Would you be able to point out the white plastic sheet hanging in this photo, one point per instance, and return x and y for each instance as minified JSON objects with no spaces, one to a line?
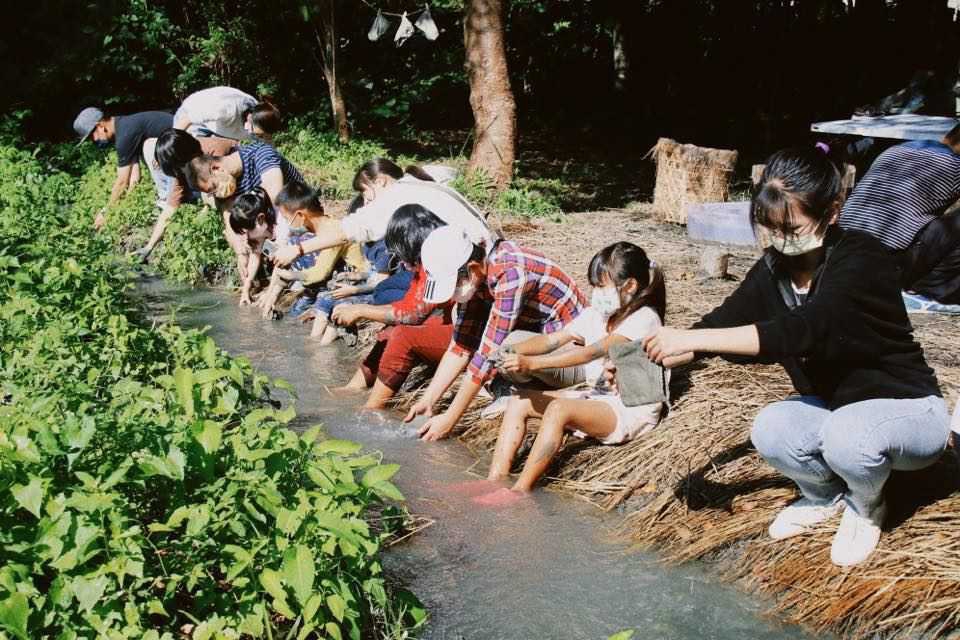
{"x":426,"y":24}
{"x":404,"y":31}
{"x":378,"y":28}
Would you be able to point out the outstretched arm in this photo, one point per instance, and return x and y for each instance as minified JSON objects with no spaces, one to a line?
{"x":668,"y":342}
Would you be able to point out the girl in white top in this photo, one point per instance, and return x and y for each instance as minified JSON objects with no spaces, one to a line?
{"x":386,"y":187}
{"x":628,"y":303}
{"x":228,"y":113}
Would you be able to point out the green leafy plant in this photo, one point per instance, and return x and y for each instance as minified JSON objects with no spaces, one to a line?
{"x":148,"y":484}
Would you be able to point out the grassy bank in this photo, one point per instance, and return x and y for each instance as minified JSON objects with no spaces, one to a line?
{"x":149,"y":486}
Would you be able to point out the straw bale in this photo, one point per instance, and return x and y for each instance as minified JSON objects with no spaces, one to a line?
{"x":689,"y":174}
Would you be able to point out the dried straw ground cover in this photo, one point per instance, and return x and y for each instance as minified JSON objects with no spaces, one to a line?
{"x":695,"y":488}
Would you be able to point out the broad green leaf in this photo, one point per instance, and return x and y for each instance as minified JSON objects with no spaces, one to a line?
{"x":333,"y":630}
{"x":299,"y":571}
{"x":337,"y":525}
{"x":271,"y":581}
{"x":379,"y":474}
{"x":209,"y":435}
{"x":313,"y":605}
{"x":342,"y":447}
{"x":14,"y":612}
{"x":289,"y":521}
{"x":206,"y":376}
{"x":337,"y":606}
{"x":30,"y":495}
{"x":622,"y":635}
{"x":388,"y":490}
{"x":209,"y":352}
{"x":89,"y":591}
{"x":183,"y":379}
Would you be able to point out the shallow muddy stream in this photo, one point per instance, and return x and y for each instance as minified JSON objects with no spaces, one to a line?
{"x":547,"y":567}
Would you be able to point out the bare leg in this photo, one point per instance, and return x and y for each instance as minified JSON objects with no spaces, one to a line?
{"x":329,"y":335}
{"x":514,"y":428}
{"x":357,"y":383}
{"x":594,"y":418}
{"x":320,"y":322}
{"x":512,"y":431}
{"x":380,"y":394}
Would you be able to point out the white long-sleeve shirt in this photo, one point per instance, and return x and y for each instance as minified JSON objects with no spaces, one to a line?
{"x":219,"y":110}
{"x":369,"y":223}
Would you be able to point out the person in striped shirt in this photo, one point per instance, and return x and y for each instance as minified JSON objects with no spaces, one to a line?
{"x":248,"y":167}
{"x":902,"y":200}
{"x":501,"y":295}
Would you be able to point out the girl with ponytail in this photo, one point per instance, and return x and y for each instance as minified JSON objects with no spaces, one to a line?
{"x":628,"y":303}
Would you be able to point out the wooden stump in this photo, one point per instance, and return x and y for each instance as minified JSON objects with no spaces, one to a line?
{"x":714,"y":262}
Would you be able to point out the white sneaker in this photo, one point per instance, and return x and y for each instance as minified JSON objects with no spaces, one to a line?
{"x":800,"y":516}
{"x":857,"y":537}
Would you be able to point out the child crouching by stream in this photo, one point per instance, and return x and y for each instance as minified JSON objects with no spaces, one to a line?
{"x":628,"y":304}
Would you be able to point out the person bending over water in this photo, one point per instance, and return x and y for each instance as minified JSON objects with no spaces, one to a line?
{"x":252,"y":219}
{"x":418,"y":332}
{"x":825,"y":303}
{"x":628,"y":304}
{"x":499,"y":292}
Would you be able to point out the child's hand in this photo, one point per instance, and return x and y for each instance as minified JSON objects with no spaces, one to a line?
{"x":245,"y":298}
{"x":343,"y":292}
{"x":347,"y":314}
{"x":610,"y":375}
{"x":515,"y":363}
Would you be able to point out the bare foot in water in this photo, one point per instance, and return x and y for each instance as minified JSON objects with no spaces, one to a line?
{"x":502,"y":497}
{"x":470,"y":488}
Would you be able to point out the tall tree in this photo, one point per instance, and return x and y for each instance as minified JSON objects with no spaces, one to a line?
{"x":327,"y":39}
{"x":494,"y":109}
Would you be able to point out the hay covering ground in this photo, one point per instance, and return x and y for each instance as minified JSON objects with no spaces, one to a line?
{"x":694,"y":488}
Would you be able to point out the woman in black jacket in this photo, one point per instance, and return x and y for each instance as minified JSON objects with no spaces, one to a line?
{"x":826,"y":304}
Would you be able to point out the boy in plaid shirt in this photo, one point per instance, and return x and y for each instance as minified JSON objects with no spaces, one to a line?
{"x":511,"y":290}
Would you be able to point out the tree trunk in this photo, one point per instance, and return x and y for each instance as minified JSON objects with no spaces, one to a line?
{"x":620,"y":60}
{"x":327,"y":39}
{"x":494,"y":110}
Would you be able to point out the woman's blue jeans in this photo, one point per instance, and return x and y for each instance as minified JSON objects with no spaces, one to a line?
{"x":850,"y":451}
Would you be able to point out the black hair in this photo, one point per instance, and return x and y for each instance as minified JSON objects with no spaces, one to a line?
{"x":802,"y":179}
{"x":409,"y":226}
{"x":176,"y":148}
{"x":355,"y":204}
{"x":297,"y":195}
{"x":621,"y":261}
{"x":247,"y":207}
{"x":266,"y":117}
{"x":370,"y":171}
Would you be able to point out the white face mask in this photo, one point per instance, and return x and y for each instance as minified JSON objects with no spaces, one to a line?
{"x":464,"y":291}
{"x":791,"y":245}
{"x":605,"y":300}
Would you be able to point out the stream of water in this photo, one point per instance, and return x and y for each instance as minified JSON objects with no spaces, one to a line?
{"x":548,"y":567}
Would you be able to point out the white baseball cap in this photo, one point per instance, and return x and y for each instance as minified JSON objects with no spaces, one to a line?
{"x":445,"y":250}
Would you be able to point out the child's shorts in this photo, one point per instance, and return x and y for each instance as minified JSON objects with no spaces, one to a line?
{"x":631,"y":421}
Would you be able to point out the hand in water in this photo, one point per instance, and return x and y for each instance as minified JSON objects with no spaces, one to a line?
{"x":420,"y":408}
{"x":245,"y":298}
{"x":436,"y":428}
